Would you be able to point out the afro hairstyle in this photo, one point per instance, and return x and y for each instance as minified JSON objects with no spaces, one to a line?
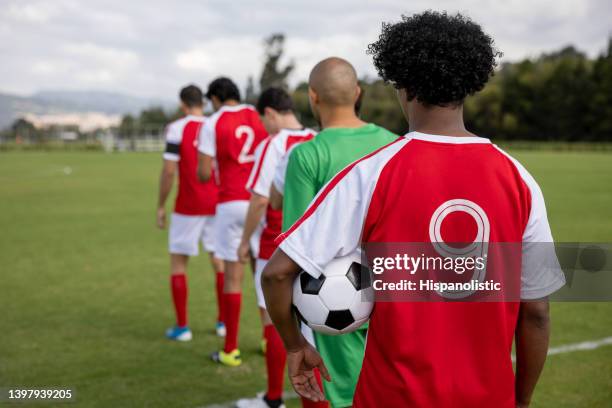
{"x":437,"y":58}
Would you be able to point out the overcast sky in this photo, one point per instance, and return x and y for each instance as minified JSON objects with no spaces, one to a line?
{"x":151,"y":48}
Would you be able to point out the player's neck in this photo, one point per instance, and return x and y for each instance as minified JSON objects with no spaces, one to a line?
{"x":194,"y":112}
{"x":340,"y":117}
{"x":437,"y":120}
{"x":231,"y":102}
{"x":290,"y":122}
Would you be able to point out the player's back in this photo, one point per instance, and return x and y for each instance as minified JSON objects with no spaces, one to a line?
{"x":237,"y":132}
{"x":193,"y":197}
{"x":460,"y":190}
{"x":269,"y":154}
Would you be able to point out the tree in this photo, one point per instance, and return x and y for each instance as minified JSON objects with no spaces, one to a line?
{"x":272,"y":74}
{"x":250,"y":95}
{"x":601,"y":104}
{"x":23,"y":129}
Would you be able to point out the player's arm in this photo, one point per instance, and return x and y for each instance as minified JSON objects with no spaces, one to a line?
{"x":205,"y":163}
{"x":541,"y":276}
{"x":166,"y":179}
{"x":256,"y":211}
{"x":168,"y":171}
{"x":532,"y":335}
{"x":207,"y":148}
{"x":302,"y":358}
{"x":308,"y":245}
{"x":276,"y":198}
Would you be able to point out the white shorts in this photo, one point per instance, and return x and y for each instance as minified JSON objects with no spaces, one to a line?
{"x":186,"y":232}
{"x":259,"y":267}
{"x":229,"y":223}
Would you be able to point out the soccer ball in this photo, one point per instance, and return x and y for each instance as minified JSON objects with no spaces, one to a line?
{"x":339,"y":301}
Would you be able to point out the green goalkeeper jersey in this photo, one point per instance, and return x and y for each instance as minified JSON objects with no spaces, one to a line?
{"x":311,"y":165}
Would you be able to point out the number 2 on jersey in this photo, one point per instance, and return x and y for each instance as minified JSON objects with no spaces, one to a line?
{"x":248,"y":134}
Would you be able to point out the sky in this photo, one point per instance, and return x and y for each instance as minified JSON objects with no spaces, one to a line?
{"x":152,"y":48}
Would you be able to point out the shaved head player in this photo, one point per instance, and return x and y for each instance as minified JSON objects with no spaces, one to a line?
{"x":333,"y":92}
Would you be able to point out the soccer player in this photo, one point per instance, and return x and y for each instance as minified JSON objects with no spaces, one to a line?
{"x":194,"y":212}
{"x":424,"y":354}
{"x":229,"y":137}
{"x":276,"y":109}
{"x":333,"y":93}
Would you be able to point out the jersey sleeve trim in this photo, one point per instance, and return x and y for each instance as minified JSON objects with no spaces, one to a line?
{"x":304,"y":262}
{"x":539,"y":293}
{"x":172,"y":151}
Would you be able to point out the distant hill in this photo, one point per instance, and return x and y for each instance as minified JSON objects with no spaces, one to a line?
{"x":57,"y":101}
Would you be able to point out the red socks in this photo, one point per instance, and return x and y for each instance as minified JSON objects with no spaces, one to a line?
{"x":232,"y":303}
{"x":306,"y":403}
{"x":220,"y":280}
{"x":276,"y":356}
{"x":178,"y":285}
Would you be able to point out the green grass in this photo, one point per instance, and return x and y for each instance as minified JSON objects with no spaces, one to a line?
{"x":84,"y":295}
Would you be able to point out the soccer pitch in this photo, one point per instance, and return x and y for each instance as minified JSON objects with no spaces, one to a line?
{"x":85,"y":300}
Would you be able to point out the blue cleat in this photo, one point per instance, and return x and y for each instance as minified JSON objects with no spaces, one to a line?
{"x":220,"y":329}
{"x":179,"y":333}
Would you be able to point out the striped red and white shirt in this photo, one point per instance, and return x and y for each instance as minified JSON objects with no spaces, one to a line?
{"x":430,"y":354}
{"x":194,"y":197}
{"x":231,"y":135}
{"x":268,"y":155}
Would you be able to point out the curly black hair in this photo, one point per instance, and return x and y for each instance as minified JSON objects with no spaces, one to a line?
{"x":439,"y":59}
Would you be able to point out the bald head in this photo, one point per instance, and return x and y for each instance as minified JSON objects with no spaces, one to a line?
{"x":334,"y":80}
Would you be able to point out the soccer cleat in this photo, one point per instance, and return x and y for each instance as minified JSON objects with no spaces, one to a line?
{"x":231,"y":359}
{"x":261,"y":401}
{"x":179,"y":333}
{"x":220,"y":329}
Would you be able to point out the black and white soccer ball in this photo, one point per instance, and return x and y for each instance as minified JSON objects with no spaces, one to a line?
{"x":339,"y":301}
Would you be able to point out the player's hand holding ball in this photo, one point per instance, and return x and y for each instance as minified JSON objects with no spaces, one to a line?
{"x":161,"y":218}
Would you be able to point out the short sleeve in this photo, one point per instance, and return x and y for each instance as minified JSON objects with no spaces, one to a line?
{"x":541,"y":273}
{"x":267,"y":156}
{"x":207,"y":139}
{"x":173,"y":138}
{"x":279,"y":174}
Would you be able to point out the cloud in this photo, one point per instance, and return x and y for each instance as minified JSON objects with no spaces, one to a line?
{"x":151,"y":48}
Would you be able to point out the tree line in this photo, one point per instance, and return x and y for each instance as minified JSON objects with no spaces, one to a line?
{"x":562,"y":96}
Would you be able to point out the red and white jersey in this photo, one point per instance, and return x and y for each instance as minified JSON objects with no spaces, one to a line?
{"x":430,"y":354}
{"x":231,"y":135}
{"x":194,"y":197}
{"x":267,"y":157}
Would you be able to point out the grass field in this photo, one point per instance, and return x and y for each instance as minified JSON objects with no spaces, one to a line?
{"x":84,"y":295}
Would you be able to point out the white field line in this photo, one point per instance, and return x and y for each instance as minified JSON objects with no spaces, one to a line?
{"x":568,"y":348}
{"x":585,"y":345}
